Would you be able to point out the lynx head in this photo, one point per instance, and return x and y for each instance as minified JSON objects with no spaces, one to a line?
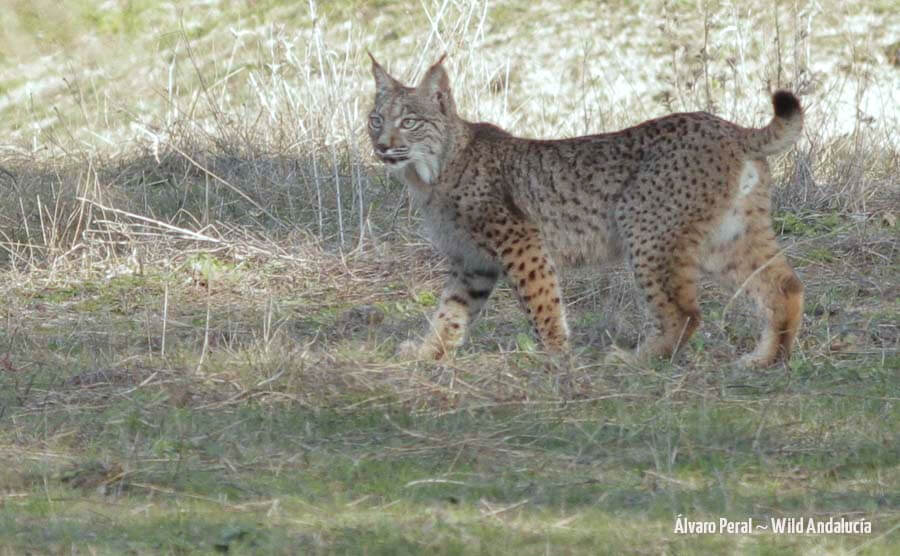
{"x":412,"y":125}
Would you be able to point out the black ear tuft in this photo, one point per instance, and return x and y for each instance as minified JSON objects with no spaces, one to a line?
{"x":786,"y":104}
{"x":383,"y":81}
{"x":435,"y":79}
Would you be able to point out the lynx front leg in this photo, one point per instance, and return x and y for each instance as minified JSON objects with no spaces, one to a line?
{"x":465,"y":293}
{"x":531,"y":273}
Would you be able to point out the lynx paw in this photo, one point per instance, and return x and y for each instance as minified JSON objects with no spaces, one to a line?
{"x":754,"y":360}
{"x":411,"y":349}
{"x":620,"y":356}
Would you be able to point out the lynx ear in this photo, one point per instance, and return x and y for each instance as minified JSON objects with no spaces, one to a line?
{"x":383,"y":81}
{"x":436,"y":86}
{"x":435,"y":79}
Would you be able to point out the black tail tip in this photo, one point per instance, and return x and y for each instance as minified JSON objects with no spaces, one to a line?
{"x":786,"y":104}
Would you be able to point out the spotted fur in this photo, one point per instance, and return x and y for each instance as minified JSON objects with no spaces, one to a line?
{"x":674,"y":195}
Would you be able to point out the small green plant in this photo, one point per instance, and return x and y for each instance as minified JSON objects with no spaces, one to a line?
{"x":789,"y":223}
{"x":426,"y":299}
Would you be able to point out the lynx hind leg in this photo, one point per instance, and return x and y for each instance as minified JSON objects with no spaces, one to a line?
{"x":466,"y":291}
{"x":667,"y":278}
{"x":743,"y":253}
{"x":666,"y":271}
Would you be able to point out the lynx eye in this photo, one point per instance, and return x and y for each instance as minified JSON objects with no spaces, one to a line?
{"x":409,"y":123}
{"x":375,"y":121}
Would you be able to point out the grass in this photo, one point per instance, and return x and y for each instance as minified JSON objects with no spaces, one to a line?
{"x":206,"y":277}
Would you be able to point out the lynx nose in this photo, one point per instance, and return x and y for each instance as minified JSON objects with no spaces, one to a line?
{"x":382,"y":148}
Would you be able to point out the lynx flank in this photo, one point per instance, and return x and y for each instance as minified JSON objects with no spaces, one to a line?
{"x":674,"y":195}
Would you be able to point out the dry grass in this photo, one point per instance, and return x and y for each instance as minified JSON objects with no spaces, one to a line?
{"x":206,"y":276}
